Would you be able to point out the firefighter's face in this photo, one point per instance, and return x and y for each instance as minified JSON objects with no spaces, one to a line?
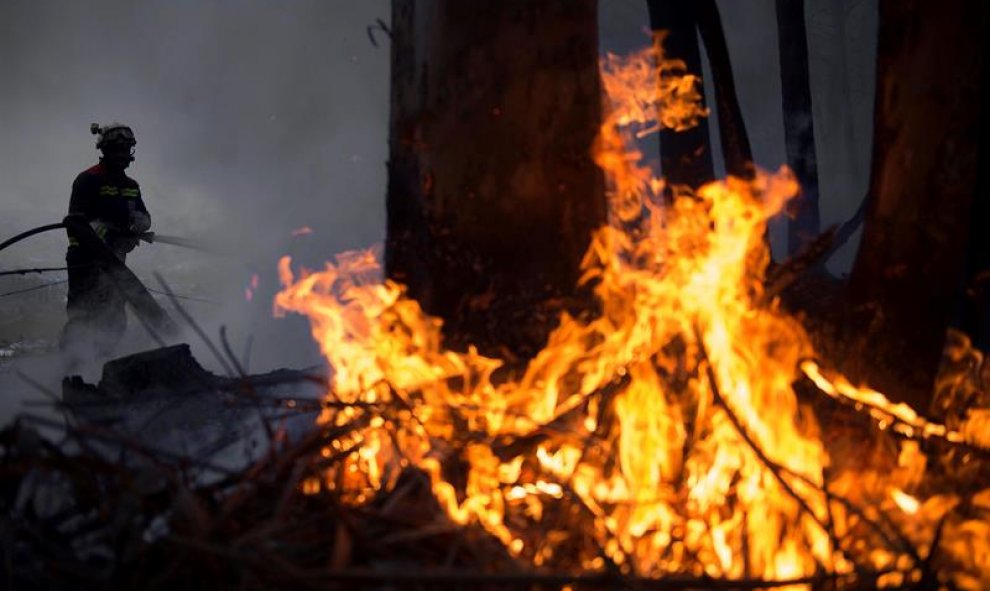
{"x":118,"y":156}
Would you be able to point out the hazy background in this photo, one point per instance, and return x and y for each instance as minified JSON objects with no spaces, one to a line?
{"x":254,"y":118}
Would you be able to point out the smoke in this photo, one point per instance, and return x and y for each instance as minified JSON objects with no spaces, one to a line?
{"x":253,"y":118}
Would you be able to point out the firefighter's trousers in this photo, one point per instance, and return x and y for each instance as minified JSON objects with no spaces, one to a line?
{"x":95,"y":308}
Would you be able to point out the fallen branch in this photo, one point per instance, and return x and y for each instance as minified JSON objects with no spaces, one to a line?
{"x":782,"y":276}
{"x":906,"y":427}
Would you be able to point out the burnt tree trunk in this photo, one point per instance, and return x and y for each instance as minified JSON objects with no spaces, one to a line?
{"x":492,"y":192}
{"x":799,"y":131}
{"x":685,"y":156}
{"x":975,"y":307}
{"x":974,"y":316}
{"x":731,"y":127}
{"x":905,"y":280}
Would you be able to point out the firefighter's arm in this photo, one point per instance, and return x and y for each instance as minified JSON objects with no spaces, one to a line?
{"x":82,"y":203}
{"x":140,"y":219}
{"x":82,"y":200}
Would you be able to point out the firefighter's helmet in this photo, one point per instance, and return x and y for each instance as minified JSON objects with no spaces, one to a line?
{"x":113,"y":134}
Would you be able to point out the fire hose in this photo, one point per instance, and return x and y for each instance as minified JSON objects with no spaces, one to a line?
{"x":130,"y":286}
{"x":149,"y":237}
{"x":29,"y":233}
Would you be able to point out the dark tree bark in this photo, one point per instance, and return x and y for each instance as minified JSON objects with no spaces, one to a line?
{"x":975,"y":314}
{"x":927,"y":141}
{"x":732,"y":129}
{"x":685,"y":156}
{"x":799,"y":131}
{"x":492,"y":194}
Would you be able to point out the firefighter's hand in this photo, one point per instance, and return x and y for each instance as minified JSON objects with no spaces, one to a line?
{"x":126,"y":243}
{"x":140,"y":222}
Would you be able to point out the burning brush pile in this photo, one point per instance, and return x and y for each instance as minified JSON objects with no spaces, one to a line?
{"x":660,"y":442}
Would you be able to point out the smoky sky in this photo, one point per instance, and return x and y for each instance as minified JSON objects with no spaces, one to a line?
{"x":252,"y":118}
{"x":255,"y":118}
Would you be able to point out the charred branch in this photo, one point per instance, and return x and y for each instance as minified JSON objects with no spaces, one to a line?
{"x":266,"y":526}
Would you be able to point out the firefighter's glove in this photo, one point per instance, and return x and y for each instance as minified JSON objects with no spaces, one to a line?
{"x":125,"y":243}
{"x":101,"y":228}
{"x":140,"y":222}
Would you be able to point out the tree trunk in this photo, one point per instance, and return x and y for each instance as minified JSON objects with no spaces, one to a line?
{"x":731,"y":127}
{"x":975,"y":314}
{"x":492,"y":193}
{"x":926,"y":147}
{"x":799,"y":130}
{"x":685,"y":156}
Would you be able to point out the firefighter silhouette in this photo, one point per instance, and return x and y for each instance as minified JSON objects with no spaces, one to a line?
{"x":110,"y":202}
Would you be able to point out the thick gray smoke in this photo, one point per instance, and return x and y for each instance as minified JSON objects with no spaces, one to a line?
{"x":253,"y":118}
{"x":258,"y":117}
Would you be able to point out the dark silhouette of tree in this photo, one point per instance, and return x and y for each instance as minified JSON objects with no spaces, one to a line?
{"x":685,"y":156}
{"x":974,"y":317}
{"x":732,"y":129}
{"x":931,"y":68}
{"x":492,"y":191}
{"x":799,"y":130}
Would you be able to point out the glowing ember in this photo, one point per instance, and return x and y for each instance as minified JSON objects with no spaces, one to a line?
{"x":663,"y":436}
{"x":905,"y":501}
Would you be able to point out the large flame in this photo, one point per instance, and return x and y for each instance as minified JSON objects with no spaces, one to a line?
{"x":661,"y":436}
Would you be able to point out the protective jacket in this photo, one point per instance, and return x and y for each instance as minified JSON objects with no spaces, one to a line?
{"x":112,"y":198}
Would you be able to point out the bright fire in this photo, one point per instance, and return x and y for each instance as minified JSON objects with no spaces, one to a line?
{"x":663,"y":436}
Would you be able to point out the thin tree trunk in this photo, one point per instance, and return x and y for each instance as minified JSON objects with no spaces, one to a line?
{"x":851,"y":134}
{"x":925,"y":163}
{"x":492,"y":194}
{"x":685,"y":156}
{"x":732,"y":129}
{"x":799,"y":130}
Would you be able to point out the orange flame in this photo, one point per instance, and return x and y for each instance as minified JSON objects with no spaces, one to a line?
{"x":631,"y":437}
